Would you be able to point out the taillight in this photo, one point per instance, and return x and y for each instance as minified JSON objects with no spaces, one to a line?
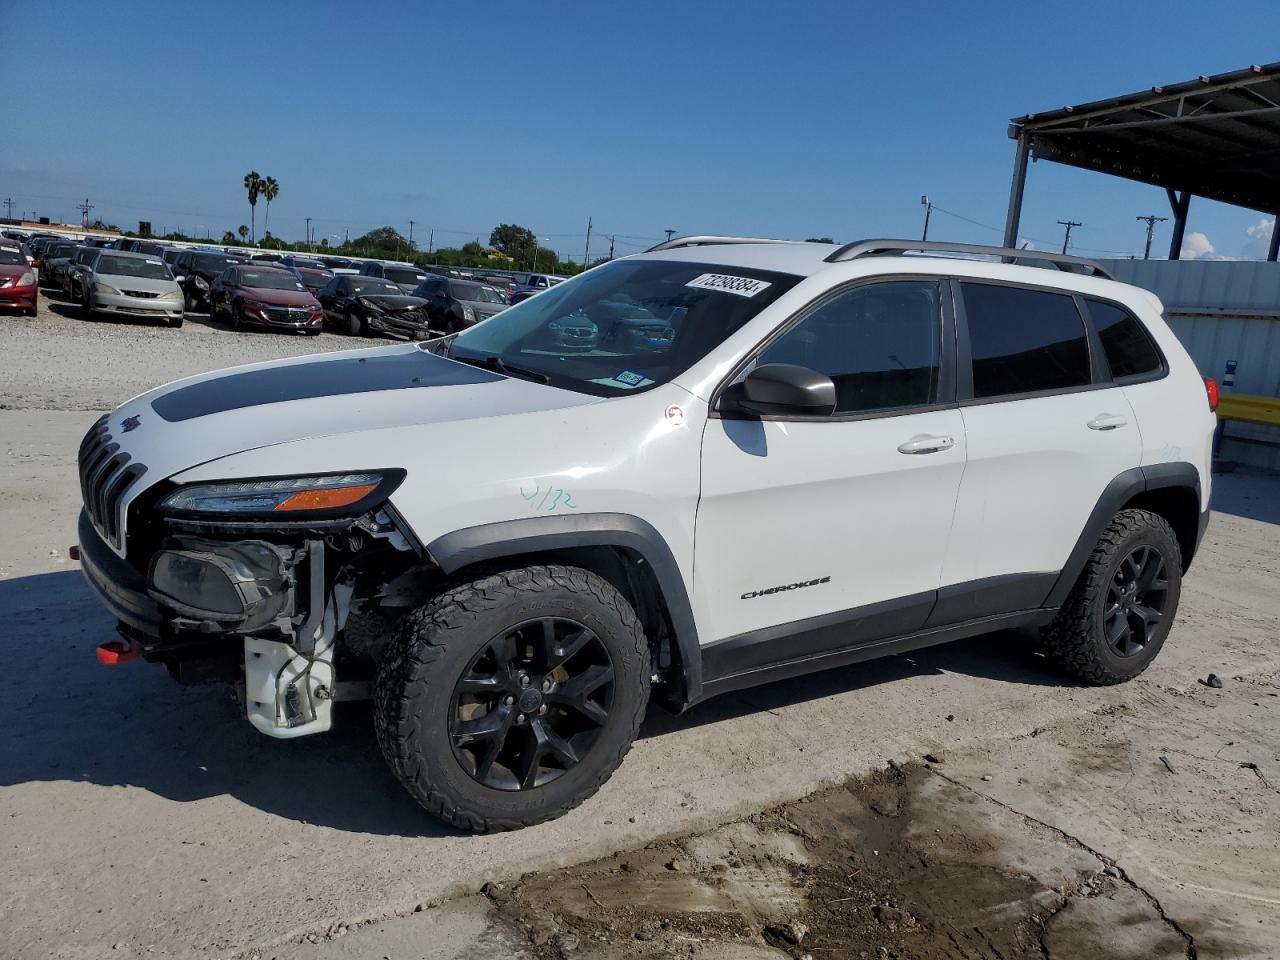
{"x":1211,"y":389}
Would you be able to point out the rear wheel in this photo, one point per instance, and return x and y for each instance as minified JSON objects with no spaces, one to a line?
{"x":510,"y":699}
{"x":1121,"y":609}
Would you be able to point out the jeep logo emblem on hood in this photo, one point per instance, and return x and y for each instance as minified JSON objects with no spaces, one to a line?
{"x":130,"y":423}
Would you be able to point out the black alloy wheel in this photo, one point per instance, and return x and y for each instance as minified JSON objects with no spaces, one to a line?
{"x":1136,"y":600}
{"x":531,"y":704}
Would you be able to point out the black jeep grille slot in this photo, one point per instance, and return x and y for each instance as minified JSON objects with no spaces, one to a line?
{"x":106,"y":475}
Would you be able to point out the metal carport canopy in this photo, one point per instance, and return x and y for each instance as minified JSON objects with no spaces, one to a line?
{"x":1215,"y":137}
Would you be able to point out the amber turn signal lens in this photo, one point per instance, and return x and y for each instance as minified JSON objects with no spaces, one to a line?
{"x":326,"y":499}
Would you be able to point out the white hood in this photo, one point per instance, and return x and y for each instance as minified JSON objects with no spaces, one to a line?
{"x":191,"y":422}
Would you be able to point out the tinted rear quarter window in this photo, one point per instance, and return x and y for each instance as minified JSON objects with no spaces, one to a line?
{"x":1128,"y":347}
{"x":1024,"y":341}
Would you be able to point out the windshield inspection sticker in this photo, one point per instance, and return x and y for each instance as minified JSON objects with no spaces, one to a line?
{"x":742,"y":286}
{"x":630,"y":378}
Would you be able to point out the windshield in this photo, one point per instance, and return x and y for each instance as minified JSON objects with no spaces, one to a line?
{"x":9,"y":256}
{"x":59,"y":250}
{"x":212,"y":264}
{"x":147,"y":268}
{"x":461,"y":290}
{"x":318,"y":277}
{"x":361,"y":286}
{"x":406,"y":275}
{"x":308,"y":264}
{"x":270,"y":280}
{"x":625,"y":326}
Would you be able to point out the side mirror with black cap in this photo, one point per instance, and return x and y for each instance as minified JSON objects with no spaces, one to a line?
{"x":779,"y":389}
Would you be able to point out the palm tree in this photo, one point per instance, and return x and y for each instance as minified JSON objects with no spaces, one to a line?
{"x":269,"y":189}
{"x":243,"y":231}
{"x":253,"y":184}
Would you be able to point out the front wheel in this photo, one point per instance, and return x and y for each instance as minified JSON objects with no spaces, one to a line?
{"x":1120,"y":611}
{"x":357,"y":326}
{"x":509,"y":700}
{"x":237,"y":317}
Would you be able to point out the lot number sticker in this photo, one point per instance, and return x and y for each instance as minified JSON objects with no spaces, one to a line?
{"x":742,"y":286}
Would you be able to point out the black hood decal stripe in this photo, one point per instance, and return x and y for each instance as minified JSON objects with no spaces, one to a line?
{"x":319,"y":378}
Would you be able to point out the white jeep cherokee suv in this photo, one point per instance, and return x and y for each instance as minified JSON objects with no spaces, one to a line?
{"x":714,"y":464}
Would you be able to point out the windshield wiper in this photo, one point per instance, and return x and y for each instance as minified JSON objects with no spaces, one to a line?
{"x":491,"y":361}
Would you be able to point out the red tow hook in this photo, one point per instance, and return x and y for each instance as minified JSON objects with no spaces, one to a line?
{"x":117,"y":651}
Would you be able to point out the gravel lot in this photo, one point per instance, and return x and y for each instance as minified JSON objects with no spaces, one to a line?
{"x":59,"y":361}
{"x":142,"y":818}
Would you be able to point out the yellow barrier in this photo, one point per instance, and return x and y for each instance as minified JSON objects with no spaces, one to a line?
{"x":1249,"y":409}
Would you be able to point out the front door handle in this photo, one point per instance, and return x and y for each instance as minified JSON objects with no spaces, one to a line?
{"x":1106,"y":421}
{"x":926,"y":443}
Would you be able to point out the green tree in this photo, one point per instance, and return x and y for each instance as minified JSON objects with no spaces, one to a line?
{"x":383,"y":238}
{"x":253,"y":186}
{"x":229,"y":238}
{"x":324,"y":243}
{"x":819,"y":240}
{"x":270,"y":190}
{"x":243,"y":231}
{"x":513,"y":240}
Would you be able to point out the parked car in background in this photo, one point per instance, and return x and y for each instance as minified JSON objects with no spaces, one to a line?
{"x":18,"y":287}
{"x":171,"y":254}
{"x":49,"y":252}
{"x":121,"y":283}
{"x":313,"y":279}
{"x":264,"y":295}
{"x":196,"y":271}
{"x":58,"y":267}
{"x":454,"y":305}
{"x":340,"y":264}
{"x":259,"y":257}
{"x":81,"y":265}
{"x":404,"y":275}
{"x":503,"y":284}
{"x":359,"y":305}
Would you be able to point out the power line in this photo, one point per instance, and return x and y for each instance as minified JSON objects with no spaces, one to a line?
{"x":84,"y":211}
{"x":1066,"y":240}
{"x":1151,"y":226}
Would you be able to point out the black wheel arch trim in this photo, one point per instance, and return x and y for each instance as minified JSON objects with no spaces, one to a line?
{"x":1123,"y":488}
{"x":511,"y":538}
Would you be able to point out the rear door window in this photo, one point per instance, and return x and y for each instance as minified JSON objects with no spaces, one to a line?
{"x":1024,"y":341}
{"x":1128,"y":347}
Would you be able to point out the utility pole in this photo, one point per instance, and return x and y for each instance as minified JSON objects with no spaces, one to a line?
{"x":586,"y":251}
{"x":669,"y":233}
{"x":308,"y":219}
{"x":1068,"y":224}
{"x":928,"y":210}
{"x":611,"y":239}
{"x":84,"y":212}
{"x":1151,"y":226}
{"x":431,"y":242}
{"x":8,"y":202}
{"x":346,"y":236}
{"x":411,"y":236}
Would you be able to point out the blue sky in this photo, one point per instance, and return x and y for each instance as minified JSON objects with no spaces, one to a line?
{"x":775,"y":119}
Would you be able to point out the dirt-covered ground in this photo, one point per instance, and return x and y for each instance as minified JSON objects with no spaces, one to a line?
{"x":1112,"y":837}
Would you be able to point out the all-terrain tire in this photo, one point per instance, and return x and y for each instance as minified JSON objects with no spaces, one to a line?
{"x":1075,"y":640}
{"x":434,"y":645}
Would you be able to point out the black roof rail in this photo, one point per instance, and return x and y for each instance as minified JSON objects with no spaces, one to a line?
{"x":708,"y":241}
{"x":881,"y":248}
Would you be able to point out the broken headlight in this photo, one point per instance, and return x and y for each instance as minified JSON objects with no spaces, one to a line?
{"x":341,"y":494}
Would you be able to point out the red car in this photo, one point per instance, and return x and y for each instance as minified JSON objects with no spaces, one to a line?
{"x":263,"y":295}
{"x":17,"y":281}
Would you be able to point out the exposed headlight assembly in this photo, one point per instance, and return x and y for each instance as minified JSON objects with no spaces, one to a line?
{"x":200,"y":282}
{"x":330,"y":496}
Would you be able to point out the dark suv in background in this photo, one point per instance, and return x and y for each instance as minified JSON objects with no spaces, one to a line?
{"x":196,"y":270}
{"x":404,"y":275}
{"x":454,"y":305}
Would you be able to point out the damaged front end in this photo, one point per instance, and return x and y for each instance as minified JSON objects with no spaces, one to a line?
{"x":253,"y":582}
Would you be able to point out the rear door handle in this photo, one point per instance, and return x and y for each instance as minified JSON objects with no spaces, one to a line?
{"x":926,"y":443}
{"x":1106,"y":421}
